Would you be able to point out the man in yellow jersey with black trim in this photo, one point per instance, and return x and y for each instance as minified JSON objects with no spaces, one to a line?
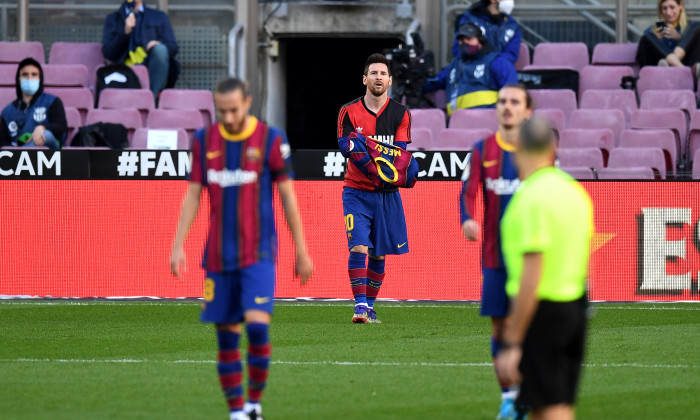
{"x":546,"y":235}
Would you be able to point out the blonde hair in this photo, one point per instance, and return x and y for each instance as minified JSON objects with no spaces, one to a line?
{"x":682,"y":18}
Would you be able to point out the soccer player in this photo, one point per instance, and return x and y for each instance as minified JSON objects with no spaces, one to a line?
{"x":492,"y":168}
{"x":238,"y":160}
{"x":374,"y":219}
{"x":547,"y":230}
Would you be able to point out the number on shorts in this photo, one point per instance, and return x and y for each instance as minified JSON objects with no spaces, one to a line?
{"x":349,"y":222}
{"x":208,"y":290}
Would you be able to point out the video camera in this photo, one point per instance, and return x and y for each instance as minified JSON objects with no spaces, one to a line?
{"x":411,"y":67}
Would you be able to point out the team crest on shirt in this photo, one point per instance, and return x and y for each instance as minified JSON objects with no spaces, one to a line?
{"x":40,"y":114}
{"x":253,"y":153}
{"x":359,"y":130}
{"x":12,"y":127}
{"x":479,"y":71}
{"x":509,"y":34}
{"x":285,"y":150}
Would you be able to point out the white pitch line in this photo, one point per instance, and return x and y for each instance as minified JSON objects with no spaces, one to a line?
{"x":340,"y":363}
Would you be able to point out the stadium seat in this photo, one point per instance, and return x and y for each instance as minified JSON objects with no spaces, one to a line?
{"x":140,"y":139}
{"x":421,"y":139}
{"x":130,"y":118}
{"x":693,"y":143}
{"x":87,"y":53}
{"x":141,"y":99}
{"x":650,"y":157}
{"x":679,"y":99}
{"x":79,"y":98}
{"x":584,"y":157}
{"x":602,"y":77}
{"x":460,"y":138}
{"x":188,"y":119}
{"x":431,"y":118}
{"x":523,"y":57}
{"x":74,"y":122}
{"x":65,"y":75}
{"x":579,"y":172}
{"x":555,"y":117}
{"x":7,"y":75}
{"x":572,"y":55}
{"x":624,"y":100}
{"x":613,"y":119}
{"x":672,"y":119}
{"x":621,"y":54}
{"x":439,"y":98}
{"x":663,"y":139}
{"x":602,"y":138}
{"x":696,"y":167}
{"x":664,"y":78}
{"x":199,"y":99}
{"x":563,"y":99}
{"x":632,"y":172}
{"x":7,"y":95}
{"x":14,"y":51}
{"x":473,"y":118}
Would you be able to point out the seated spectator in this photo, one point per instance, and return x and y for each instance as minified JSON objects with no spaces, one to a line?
{"x":472,"y":79}
{"x":672,"y":40}
{"x":501,"y":29}
{"x":136,"y":34}
{"x":35,"y":118}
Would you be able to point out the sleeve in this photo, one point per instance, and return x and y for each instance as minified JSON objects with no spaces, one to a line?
{"x":56,"y":115}
{"x":114,"y":41}
{"x":438,"y":82}
{"x":280,"y":157}
{"x":345,"y":126}
{"x":5,"y":139}
{"x":503,"y":73}
{"x":403,"y":133}
{"x":197,"y":173}
{"x":471,"y":179}
{"x":167,"y":36}
{"x":534,"y":229}
{"x":512,"y":50}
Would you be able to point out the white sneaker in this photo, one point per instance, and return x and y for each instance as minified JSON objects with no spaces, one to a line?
{"x":238,"y":415}
{"x":253,"y":411}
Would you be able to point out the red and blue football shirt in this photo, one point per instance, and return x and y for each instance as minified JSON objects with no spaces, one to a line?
{"x":239,"y":171}
{"x":491,"y":167}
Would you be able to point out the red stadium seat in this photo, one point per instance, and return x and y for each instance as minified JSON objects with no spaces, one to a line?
{"x":74,"y":122}
{"x":79,"y":98}
{"x":7,"y":75}
{"x":678,"y":99}
{"x":474,"y":118}
{"x":632,"y":172}
{"x":7,"y":95}
{"x":696,"y":164}
{"x":186,"y":119}
{"x":460,"y":138}
{"x":14,"y":52}
{"x":615,"y":54}
{"x":563,"y":99}
{"x":664,"y":78}
{"x":523,"y":57}
{"x":421,"y":138}
{"x":672,"y":119}
{"x":579,"y":172}
{"x":87,"y":53}
{"x":141,"y":99}
{"x":649,"y":157}
{"x":140,"y":139}
{"x":572,"y":55}
{"x":602,"y":138}
{"x":663,"y":139}
{"x":613,"y":119}
{"x":624,"y":100}
{"x":432,"y":119}
{"x":602,"y":77}
{"x":586,"y":157}
{"x":66,"y":75}
{"x":555,"y":117}
{"x":199,"y":99}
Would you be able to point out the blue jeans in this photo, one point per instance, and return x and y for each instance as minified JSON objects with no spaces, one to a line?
{"x":51,"y":141}
{"x":158,"y":63}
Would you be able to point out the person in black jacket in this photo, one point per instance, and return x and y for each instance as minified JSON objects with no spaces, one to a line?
{"x":35,"y":118}
{"x":136,"y":34}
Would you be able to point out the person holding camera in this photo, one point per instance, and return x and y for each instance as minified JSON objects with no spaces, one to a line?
{"x":473,"y":79}
{"x":498,"y":26}
{"x":672,"y":40}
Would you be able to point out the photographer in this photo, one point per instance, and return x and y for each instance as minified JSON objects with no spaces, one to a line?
{"x":672,"y":40}
{"x":472,"y":79}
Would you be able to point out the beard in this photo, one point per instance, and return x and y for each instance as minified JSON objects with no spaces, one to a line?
{"x":378,"y":90}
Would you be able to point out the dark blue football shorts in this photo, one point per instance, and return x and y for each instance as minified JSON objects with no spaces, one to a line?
{"x":494,"y":301}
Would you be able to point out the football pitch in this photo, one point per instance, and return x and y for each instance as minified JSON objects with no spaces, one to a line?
{"x":154,"y":360}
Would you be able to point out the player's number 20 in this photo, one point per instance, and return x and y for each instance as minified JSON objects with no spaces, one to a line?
{"x":349,"y":222}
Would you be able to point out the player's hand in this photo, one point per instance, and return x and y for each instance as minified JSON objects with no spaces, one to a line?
{"x":471,"y":230}
{"x":129,"y":23}
{"x":177,"y":261}
{"x":38,"y":135}
{"x":304,"y":268}
{"x":507,"y":364}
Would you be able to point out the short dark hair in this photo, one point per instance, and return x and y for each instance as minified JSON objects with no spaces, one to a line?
{"x":529,"y":102}
{"x":231,"y":84}
{"x":536,"y":136}
{"x":377,"y":58}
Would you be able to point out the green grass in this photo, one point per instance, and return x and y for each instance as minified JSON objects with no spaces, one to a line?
{"x":109,"y":360}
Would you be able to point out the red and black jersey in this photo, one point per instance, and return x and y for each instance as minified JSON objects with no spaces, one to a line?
{"x":392,"y":124}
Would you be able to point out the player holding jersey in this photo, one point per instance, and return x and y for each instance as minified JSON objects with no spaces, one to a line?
{"x":374,"y":219}
{"x":492,"y":168}
{"x":238,"y":160}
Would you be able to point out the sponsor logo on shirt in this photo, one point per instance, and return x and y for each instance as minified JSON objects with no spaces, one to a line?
{"x":228,"y":178}
{"x":502,"y":186}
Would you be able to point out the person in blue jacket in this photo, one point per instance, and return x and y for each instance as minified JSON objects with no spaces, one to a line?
{"x":474,"y":77}
{"x":136,"y":34}
{"x":35,"y":118}
{"x":498,"y":26}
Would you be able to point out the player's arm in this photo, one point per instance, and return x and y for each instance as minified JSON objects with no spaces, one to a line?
{"x":512,"y":49}
{"x":190,"y":207}
{"x":471,"y":181}
{"x":345,"y":127}
{"x":403,"y":133}
{"x":304,"y":266}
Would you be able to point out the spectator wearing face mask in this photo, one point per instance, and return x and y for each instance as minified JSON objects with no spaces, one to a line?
{"x":497,"y":25}
{"x":35,"y":118}
{"x":474,"y":77}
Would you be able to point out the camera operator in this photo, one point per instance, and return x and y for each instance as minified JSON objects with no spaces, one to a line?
{"x":411,"y":67}
{"x":473,"y":79}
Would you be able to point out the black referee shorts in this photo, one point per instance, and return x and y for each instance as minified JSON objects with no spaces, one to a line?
{"x":553,"y":353}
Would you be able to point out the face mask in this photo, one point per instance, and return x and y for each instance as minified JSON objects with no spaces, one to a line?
{"x":469,"y":51}
{"x":29,"y":86}
{"x":506,"y":6}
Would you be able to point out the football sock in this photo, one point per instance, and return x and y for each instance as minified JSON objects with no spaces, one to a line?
{"x":258,"y":359}
{"x":230,"y":369}
{"x":357,"y":269}
{"x":495,"y":347}
{"x":375,"y":278}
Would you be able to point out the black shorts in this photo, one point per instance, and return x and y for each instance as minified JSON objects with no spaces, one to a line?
{"x":552,"y":354}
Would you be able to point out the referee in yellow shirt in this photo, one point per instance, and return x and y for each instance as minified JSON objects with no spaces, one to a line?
{"x":546,"y":234}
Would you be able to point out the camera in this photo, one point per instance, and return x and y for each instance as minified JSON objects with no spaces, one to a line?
{"x":411,"y":67}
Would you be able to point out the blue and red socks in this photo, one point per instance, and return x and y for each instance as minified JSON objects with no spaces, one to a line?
{"x":230,"y":368}
{"x":375,"y":278}
{"x":357,"y":270}
{"x":258,"y":359}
